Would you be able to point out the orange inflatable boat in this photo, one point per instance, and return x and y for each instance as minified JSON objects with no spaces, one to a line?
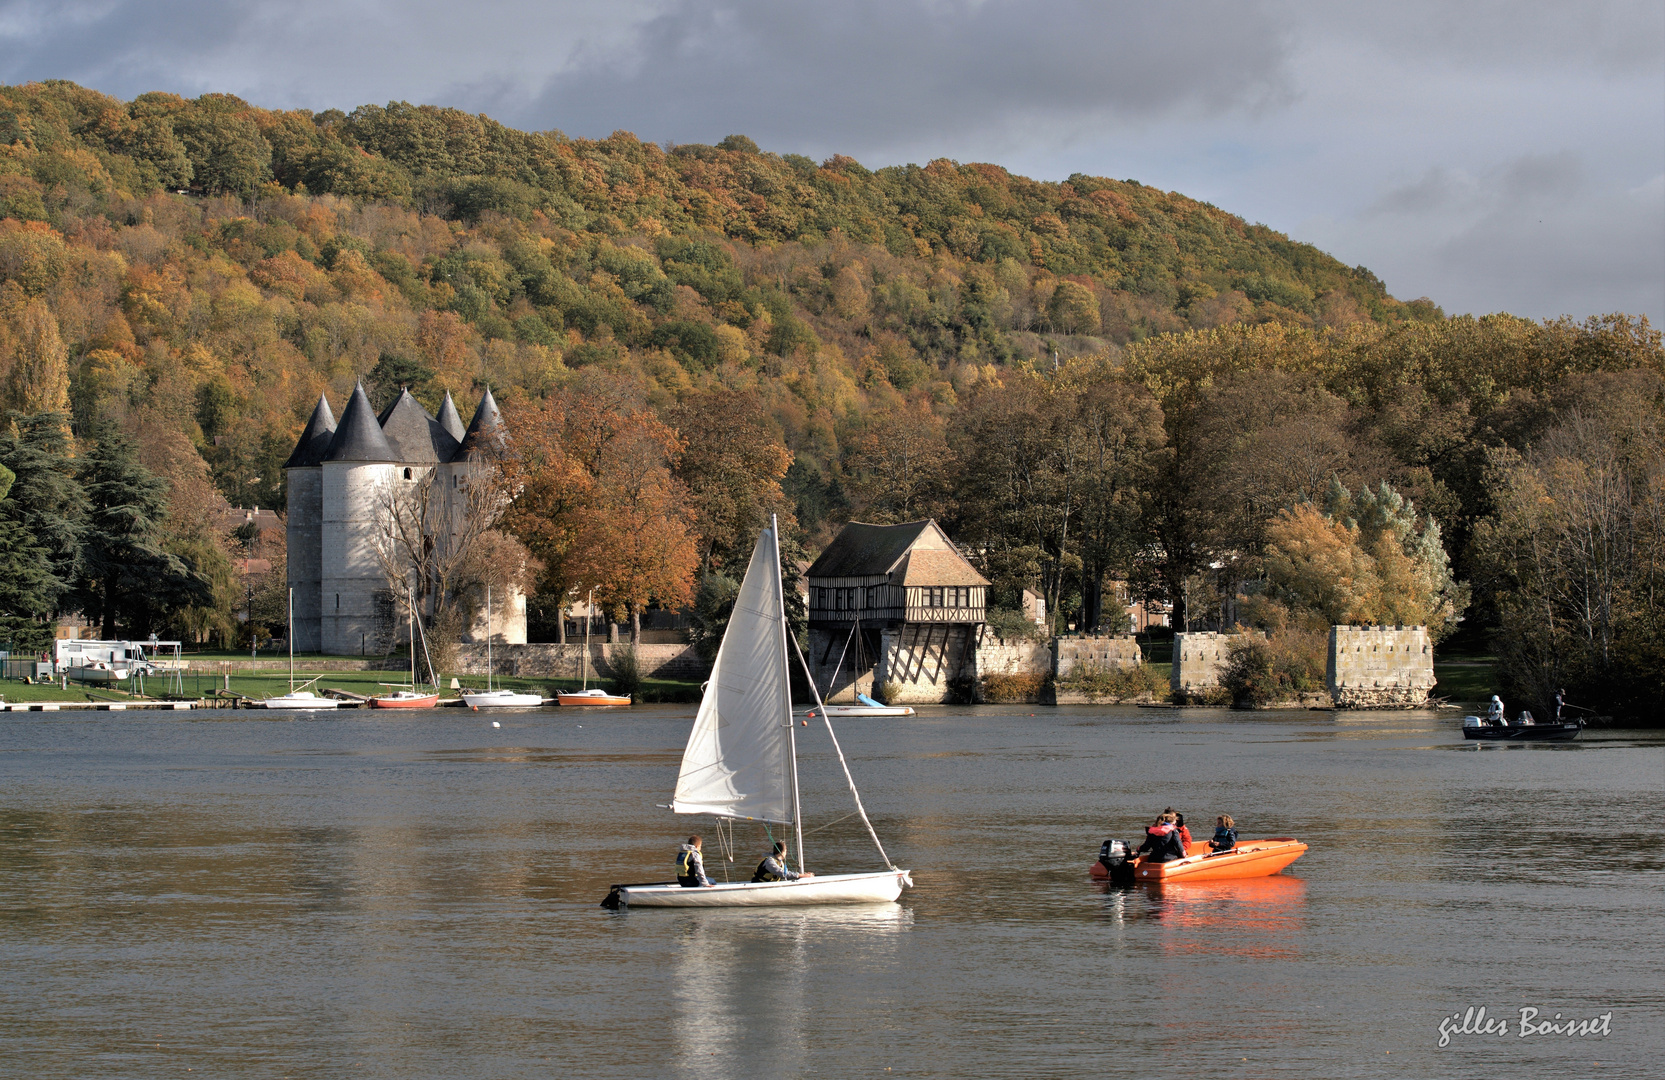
{"x":1250,"y":858}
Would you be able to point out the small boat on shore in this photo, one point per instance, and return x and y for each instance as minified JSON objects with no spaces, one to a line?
{"x":300,"y":699}
{"x":410,"y":697}
{"x":867,"y":707}
{"x":497,"y":699}
{"x":405,"y":699}
{"x":1249,"y":859}
{"x":592,"y":697}
{"x":1561,"y":731}
{"x":586,"y":696}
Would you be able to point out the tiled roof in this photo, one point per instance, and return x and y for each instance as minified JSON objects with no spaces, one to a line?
{"x":315,"y":439}
{"x":939,"y":568}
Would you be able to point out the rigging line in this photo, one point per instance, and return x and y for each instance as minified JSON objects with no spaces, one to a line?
{"x":840,"y":750}
{"x":832,"y":687}
{"x":830,"y":824}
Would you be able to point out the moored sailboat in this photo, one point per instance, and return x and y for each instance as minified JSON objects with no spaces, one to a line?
{"x":302,"y":698}
{"x":740,"y":763}
{"x":497,"y":699}
{"x":410,"y":698}
{"x":586,"y":696}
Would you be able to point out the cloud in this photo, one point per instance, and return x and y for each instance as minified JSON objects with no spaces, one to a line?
{"x":1535,"y":235}
{"x":878,"y":76}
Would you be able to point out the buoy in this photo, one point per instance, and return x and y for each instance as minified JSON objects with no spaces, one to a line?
{"x":494,"y":723}
{"x":806,"y":723}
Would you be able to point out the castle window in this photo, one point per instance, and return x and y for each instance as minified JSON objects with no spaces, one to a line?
{"x":338,"y":601}
{"x":407,"y":474}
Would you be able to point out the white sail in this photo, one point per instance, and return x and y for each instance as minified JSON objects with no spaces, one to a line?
{"x":738,"y":763}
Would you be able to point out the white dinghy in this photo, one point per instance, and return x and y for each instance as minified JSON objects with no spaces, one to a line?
{"x":741,"y":760}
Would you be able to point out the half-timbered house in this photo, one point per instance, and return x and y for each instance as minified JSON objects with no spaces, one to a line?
{"x":893,"y":603}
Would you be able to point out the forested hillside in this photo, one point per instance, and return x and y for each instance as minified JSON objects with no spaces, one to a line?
{"x":687,"y":338}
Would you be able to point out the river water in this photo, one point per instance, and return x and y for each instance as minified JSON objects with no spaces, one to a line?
{"x":416,"y":895}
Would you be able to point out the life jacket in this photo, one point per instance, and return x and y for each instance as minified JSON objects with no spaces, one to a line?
{"x":1165,"y":843}
{"x":687,"y":864}
{"x":768,"y":870}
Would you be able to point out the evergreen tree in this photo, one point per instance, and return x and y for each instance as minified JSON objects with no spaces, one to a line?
{"x":46,"y":504}
{"x":127,"y":578}
{"x":28,"y":591}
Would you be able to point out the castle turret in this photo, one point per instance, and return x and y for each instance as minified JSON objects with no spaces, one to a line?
{"x":304,"y":523}
{"x":358,"y":469}
{"x":450,"y":421}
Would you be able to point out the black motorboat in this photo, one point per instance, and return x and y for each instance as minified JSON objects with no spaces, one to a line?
{"x":1558,"y":731}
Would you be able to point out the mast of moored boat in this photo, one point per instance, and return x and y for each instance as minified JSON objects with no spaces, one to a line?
{"x":589,"y":617}
{"x":410,"y":610}
{"x":291,"y":641}
{"x":488,"y":639}
{"x":791,"y":731}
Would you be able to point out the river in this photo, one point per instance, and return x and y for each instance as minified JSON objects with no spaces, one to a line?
{"x":377,"y":895}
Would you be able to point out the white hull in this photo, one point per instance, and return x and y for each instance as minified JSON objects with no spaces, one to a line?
{"x":879,"y":888}
{"x":302,"y":700}
{"x":867,"y":710}
{"x":90,"y":674}
{"x":502,"y":699}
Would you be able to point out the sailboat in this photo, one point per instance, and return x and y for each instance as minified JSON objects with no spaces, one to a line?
{"x":865,"y":706}
{"x":303,"y":698}
{"x":497,"y":699}
{"x":411,"y":698}
{"x":741,"y":760}
{"x":586,"y":696}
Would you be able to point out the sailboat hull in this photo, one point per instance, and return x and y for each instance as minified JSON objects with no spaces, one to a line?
{"x":879,"y":888}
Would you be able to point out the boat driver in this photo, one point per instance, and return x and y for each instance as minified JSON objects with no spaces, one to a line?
{"x":773,"y":867}
{"x":1494,"y":715}
{"x":690,"y":868}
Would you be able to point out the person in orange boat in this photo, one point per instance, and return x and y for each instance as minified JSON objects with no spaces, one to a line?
{"x":1162,"y":842}
{"x":1225,"y":833}
{"x":1184,"y":833}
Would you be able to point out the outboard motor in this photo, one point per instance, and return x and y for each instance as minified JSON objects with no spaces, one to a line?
{"x":1115,"y":856}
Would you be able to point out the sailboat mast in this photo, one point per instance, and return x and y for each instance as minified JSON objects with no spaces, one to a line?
{"x":488,"y":638}
{"x":589,"y":617}
{"x":291,"y":641}
{"x":410,"y":610}
{"x":791,"y":732}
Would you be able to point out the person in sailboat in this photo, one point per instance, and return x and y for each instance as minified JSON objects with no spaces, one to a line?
{"x":690,"y":867}
{"x":773,"y":867}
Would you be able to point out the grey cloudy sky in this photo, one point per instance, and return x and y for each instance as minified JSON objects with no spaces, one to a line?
{"x":1494,"y":155}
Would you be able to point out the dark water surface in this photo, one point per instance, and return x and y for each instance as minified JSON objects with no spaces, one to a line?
{"x":415,"y":895}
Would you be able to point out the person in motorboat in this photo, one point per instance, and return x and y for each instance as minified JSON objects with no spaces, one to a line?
{"x":774,"y":868}
{"x":690,"y":867}
{"x":1494,"y":715}
{"x":1162,"y":842}
{"x":1560,"y":703}
{"x":1184,"y":833}
{"x":1225,"y":834}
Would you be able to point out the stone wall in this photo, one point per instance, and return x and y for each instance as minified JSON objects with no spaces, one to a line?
{"x":926,"y":661}
{"x":1380,"y":666}
{"x":1104,"y":653}
{"x":549,"y":661}
{"x":831,"y":655}
{"x":1198,"y":659}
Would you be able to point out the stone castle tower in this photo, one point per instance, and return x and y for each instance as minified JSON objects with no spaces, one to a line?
{"x":338,"y":476}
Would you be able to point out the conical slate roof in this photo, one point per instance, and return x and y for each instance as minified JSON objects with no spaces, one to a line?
{"x":486,"y":433}
{"x":415,"y":436}
{"x":450,"y":421}
{"x":359,"y":437}
{"x":315,"y":439}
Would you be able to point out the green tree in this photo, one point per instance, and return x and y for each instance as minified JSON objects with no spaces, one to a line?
{"x":28,"y":591}
{"x":127,"y":578}
{"x":46,"y":500}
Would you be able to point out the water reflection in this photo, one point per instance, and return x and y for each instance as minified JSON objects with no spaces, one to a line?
{"x":741,"y":999}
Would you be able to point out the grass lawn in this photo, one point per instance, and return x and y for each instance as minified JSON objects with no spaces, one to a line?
{"x":364,"y":683}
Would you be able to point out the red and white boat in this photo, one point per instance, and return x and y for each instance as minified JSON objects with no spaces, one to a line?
{"x":405,"y":699}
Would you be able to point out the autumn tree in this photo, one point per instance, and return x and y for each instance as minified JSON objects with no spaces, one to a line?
{"x":731,"y":465}
{"x":898,"y":467}
{"x":39,"y":380}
